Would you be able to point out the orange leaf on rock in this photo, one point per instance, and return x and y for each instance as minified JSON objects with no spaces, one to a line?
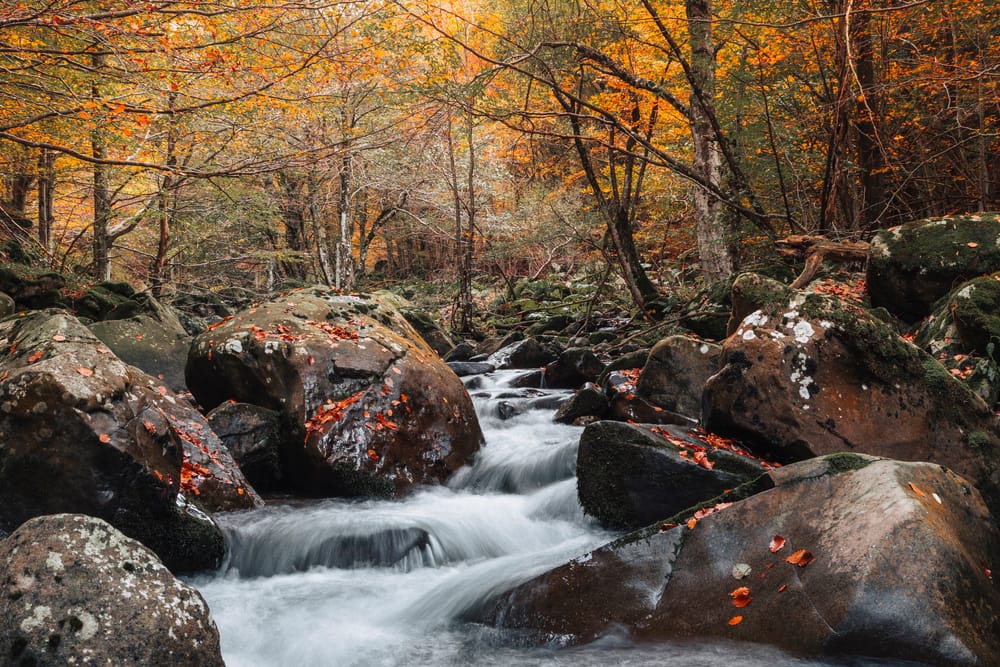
{"x":777,"y":544}
{"x":105,"y":438}
{"x":741,"y":596}
{"x":35,"y":357}
{"x":59,"y":338}
{"x":916,"y":489}
{"x":150,"y":427}
{"x":735,"y":620}
{"x":691,"y":523}
{"x":801,"y":558}
{"x":85,"y":372}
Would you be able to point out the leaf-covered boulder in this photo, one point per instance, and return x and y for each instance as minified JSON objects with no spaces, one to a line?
{"x":81,"y":431}
{"x":911,"y":266}
{"x":842,"y":555}
{"x":367,"y":407}
{"x":806,"y":374}
{"x":628,"y":476}
{"x":73,"y":590}
{"x":675,"y":374}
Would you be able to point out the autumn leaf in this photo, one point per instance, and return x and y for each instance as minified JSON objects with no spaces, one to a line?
{"x":35,"y":357}
{"x":735,"y":620}
{"x":150,"y":427}
{"x":916,"y":489}
{"x":777,"y":544}
{"x":972,"y":244}
{"x":59,"y":338}
{"x":782,"y":587}
{"x":85,"y":372}
{"x":800,"y":558}
{"x":105,"y":438}
{"x":691,"y":523}
{"x":741,"y":596}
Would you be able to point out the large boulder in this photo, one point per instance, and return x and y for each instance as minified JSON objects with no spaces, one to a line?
{"x":844,"y":555}
{"x":73,"y":590}
{"x":912,"y":266}
{"x":628,"y":476}
{"x":81,"y":431}
{"x":675,"y":374}
{"x":573,"y":368}
{"x":252,"y":434}
{"x":153,"y":340}
{"x":367,"y":407}
{"x":805,"y":375}
{"x":526,"y":353}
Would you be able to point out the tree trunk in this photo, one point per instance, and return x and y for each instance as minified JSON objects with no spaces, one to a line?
{"x":710,"y":230}
{"x":344,"y":269}
{"x":102,"y":188}
{"x":46,"y":189}
{"x":871,"y":158}
{"x":165,"y":206}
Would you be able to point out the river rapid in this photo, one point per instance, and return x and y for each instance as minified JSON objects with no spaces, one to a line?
{"x":371,"y":583}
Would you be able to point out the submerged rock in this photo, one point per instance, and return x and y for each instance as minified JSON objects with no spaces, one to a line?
{"x":845,"y":555}
{"x":77,"y":591}
{"x":366,"y":406}
{"x":806,"y":375}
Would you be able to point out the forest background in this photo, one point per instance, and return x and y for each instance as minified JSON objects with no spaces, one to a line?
{"x":654,"y":145}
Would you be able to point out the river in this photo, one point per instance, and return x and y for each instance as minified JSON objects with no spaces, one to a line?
{"x":338,"y":583}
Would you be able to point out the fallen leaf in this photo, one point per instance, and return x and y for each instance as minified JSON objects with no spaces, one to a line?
{"x":150,"y":427}
{"x":916,"y":489}
{"x":85,"y":372}
{"x":782,"y":587}
{"x":741,"y":596}
{"x":800,"y":558}
{"x":692,"y":522}
{"x":735,"y":620}
{"x":105,"y":438}
{"x":777,"y":544}
{"x":59,"y":338}
{"x":741,"y":570}
{"x":138,"y":336}
{"x":972,"y":244}
{"x":35,"y":357}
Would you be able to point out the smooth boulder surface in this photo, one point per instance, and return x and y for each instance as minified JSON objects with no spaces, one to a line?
{"x":675,"y":373}
{"x":73,"y":590}
{"x":153,"y":340}
{"x":252,"y":434}
{"x":911,"y":266}
{"x":575,"y":367}
{"x":888,"y":559}
{"x":81,"y":431}
{"x":806,"y":375}
{"x":527,"y":353}
{"x":367,"y":407}
{"x":629,"y":476}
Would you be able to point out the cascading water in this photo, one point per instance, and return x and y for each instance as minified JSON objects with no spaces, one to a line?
{"x":337,"y":583}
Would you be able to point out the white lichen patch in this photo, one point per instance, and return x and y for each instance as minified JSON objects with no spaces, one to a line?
{"x":39,"y":615}
{"x":800,"y":376}
{"x":233,"y":346}
{"x":703,"y":348}
{"x":749,"y":335}
{"x":271,"y":346}
{"x":826,"y":324}
{"x":54,"y":562}
{"x":803,"y":331}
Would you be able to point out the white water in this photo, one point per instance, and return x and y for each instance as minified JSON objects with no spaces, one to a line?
{"x":337,"y":583}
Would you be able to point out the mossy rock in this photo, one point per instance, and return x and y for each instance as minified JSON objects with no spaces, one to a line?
{"x":108,"y":301}
{"x":911,"y":266}
{"x":31,"y":289}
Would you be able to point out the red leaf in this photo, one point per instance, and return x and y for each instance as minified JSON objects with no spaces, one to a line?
{"x":105,"y":438}
{"x":777,"y":544}
{"x":782,"y":587}
{"x":35,"y":357}
{"x":741,"y":596}
{"x":800,"y":558}
{"x":735,"y":620}
{"x":150,"y":427}
{"x":85,"y":372}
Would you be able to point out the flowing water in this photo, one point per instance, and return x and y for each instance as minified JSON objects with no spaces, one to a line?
{"x":339,"y":583}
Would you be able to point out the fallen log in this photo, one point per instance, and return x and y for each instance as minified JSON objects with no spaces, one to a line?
{"x":818,"y":249}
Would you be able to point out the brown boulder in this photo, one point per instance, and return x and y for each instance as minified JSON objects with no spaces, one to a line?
{"x":378,"y":411}
{"x":81,"y":431}
{"x":675,"y":374}
{"x":73,"y":590}
{"x":806,"y":375}
{"x":897,"y":566}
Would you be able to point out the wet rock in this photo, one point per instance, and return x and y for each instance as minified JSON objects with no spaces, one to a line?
{"x":466,"y":368}
{"x":369,"y":408}
{"x":708,"y":312}
{"x":574,"y":367}
{"x":461,"y":352}
{"x":911,"y":266}
{"x":629,"y":476}
{"x":530,"y":380}
{"x":252,"y":435}
{"x":897,"y":571}
{"x":589,"y":401}
{"x":81,"y":431}
{"x":675,"y":374}
{"x":806,"y":375}
{"x":626,"y":405}
{"x":527,"y":353}
{"x":77,"y":591}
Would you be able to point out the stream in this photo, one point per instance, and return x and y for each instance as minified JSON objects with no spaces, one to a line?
{"x":377,"y":582}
